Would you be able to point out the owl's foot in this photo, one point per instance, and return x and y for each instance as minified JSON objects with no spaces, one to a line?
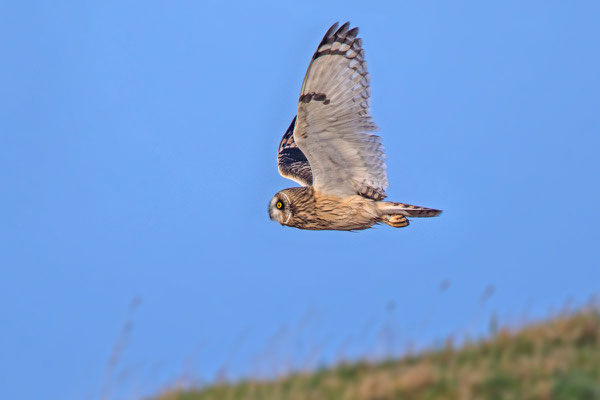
{"x":397,"y":220}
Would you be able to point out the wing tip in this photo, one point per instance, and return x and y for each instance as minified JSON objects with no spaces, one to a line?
{"x":336,"y":30}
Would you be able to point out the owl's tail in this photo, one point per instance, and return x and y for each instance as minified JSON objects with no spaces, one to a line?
{"x":394,"y":214}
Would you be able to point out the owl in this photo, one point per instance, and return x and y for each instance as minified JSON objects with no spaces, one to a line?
{"x":330,"y":150}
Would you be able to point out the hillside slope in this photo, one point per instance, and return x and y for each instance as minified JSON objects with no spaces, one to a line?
{"x":556,"y":359}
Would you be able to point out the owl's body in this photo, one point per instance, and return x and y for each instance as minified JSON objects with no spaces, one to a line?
{"x":306,"y":208}
{"x":330,"y":150}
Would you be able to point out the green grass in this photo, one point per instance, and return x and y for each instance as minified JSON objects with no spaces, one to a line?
{"x":556,"y":359}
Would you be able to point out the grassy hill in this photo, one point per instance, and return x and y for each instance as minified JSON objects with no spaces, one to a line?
{"x":556,"y":359}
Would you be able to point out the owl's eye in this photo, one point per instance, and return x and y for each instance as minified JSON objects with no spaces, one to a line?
{"x":279,"y":205}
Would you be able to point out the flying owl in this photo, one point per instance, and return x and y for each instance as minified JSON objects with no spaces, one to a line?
{"x":330,"y":150}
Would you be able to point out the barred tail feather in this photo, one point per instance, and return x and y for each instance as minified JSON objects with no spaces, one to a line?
{"x":388,"y":208}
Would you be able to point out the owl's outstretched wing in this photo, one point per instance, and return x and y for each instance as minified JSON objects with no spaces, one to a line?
{"x":292,"y":163}
{"x":333,"y":123}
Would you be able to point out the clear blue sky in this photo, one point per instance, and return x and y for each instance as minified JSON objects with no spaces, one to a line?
{"x":137,"y":158}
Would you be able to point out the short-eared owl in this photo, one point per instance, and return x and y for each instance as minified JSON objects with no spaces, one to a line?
{"x":329,"y":148}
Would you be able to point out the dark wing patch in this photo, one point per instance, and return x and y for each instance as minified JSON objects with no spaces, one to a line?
{"x":291,"y":160}
{"x":308,"y":97}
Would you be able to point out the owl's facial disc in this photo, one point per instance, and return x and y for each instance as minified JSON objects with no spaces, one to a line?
{"x":278,"y":209}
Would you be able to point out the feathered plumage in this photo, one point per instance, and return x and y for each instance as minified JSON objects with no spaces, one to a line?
{"x":330,"y":149}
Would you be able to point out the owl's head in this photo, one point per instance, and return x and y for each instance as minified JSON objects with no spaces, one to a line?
{"x":280,"y":208}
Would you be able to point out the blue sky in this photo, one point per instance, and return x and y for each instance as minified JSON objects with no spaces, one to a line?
{"x":137,"y":159}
